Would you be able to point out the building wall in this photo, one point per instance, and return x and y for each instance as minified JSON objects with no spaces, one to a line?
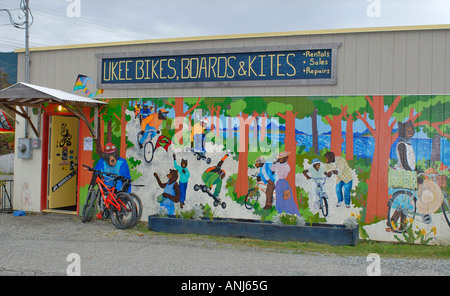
{"x":377,"y":61}
{"x":27,"y":173}
{"x":385,"y":78}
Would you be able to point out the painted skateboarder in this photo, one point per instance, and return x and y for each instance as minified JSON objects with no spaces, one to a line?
{"x":213,"y":176}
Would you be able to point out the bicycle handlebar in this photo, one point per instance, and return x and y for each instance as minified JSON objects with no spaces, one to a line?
{"x":115,"y":176}
{"x":320,"y":180}
{"x":429,"y":175}
{"x":425,"y":174}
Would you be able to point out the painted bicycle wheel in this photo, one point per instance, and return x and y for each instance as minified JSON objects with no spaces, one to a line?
{"x":124,"y":216}
{"x":446,"y":208}
{"x":324,"y":206}
{"x":251,"y":198}
{"x":148,"y":151}
{"x":138,"y":204}
{"x":401,"y":210}
{"x":90,"y":205}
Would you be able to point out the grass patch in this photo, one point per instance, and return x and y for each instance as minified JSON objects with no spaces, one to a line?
{"x":364,"y":248}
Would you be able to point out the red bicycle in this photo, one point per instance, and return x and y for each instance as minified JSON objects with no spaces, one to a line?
{"x":118,"y":205}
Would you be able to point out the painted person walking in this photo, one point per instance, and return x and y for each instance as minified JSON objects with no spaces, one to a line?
{"x":283,"y":191}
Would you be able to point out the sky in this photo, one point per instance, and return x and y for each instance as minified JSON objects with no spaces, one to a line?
{"x":67,"y":22}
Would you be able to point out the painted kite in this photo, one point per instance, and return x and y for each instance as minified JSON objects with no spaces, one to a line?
{"x":5,"y":126}
{"x":81,"y":84}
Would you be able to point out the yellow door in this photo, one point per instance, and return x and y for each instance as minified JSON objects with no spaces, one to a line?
{"x":63,"y":160}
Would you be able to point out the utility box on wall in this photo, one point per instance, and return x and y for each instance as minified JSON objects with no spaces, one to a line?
{"x":24,"y":148}
{"x":36,"y":143}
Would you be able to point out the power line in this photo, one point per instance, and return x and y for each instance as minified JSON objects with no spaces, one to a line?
{"x":98,"y":23}
{"x":8,"y":45}
{"x":23,"y":8}
{"x":19,"y":41}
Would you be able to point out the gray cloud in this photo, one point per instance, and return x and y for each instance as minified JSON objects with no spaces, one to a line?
{"x":118,"y":20}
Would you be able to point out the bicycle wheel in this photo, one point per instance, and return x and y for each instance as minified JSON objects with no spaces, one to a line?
{"x":126,"y":216}
{"x":148,"y":151}
{"x":90,"y":205}
{"x":251,"y":198}
{"x":401,"y":210}
{"x":446,"y":208}
{"x":138,"y":204}
{"x":324,"y":206}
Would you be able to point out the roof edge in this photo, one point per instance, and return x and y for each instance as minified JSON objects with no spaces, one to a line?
{"x":242,"y":36}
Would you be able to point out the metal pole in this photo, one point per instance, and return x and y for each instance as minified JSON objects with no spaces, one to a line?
{"x":27,"y":42}
{"x":27,"y":54}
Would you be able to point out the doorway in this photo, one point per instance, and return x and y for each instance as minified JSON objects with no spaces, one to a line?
{"x":62,"y":163}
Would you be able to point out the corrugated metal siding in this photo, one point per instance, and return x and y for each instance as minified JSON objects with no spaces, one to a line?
{"x":392,"y":62}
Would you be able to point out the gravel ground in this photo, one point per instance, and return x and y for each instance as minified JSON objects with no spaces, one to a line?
{"x":39,"y":244}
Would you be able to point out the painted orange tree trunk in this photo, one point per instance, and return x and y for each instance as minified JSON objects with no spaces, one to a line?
{"x":290,"y":144}
{"x":217,"y":121}
{"x":244,"y":127}
{"x":336,"y":131}
{"x":377,"y":196}
{"x":123,"y":131}
{"x":85,"y":156}
{"x":349,"y":137}
{"x":212,"y":111}
{"x":178,"y":106}
{"x":100,"y":141}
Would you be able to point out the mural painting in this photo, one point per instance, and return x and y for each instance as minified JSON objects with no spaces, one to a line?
{"x":380,"y":159}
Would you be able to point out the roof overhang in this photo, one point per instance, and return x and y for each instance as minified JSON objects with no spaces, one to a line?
{"x":28,"y":95}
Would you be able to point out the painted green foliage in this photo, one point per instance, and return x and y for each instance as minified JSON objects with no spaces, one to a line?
{"x":361,"y":131}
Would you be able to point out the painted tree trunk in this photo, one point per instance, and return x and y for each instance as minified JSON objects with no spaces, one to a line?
{"x":242,"y":178}
{"x":291,"y":146}
{"x":336,"y":134}
{"x":179,"y":118}
{"x":377,"y":196}
{"x":315,"y":132}
{"x":349,"y":139}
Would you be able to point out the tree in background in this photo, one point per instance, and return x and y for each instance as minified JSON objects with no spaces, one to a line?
{"x":288,"y":109}
{"x":334,"y":111}
{"x":178,"y":105}
{"x":386,"y":111}
{"x":434,"y":120}
{"x":246,"y":110}
{"x":6,"y":139}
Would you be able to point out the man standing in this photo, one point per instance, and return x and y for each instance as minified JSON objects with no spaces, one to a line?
{"x":344,"y":180}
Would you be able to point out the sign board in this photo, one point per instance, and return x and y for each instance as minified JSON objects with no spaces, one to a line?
{"x":256,"y":66}
{"x":88,"y":144}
